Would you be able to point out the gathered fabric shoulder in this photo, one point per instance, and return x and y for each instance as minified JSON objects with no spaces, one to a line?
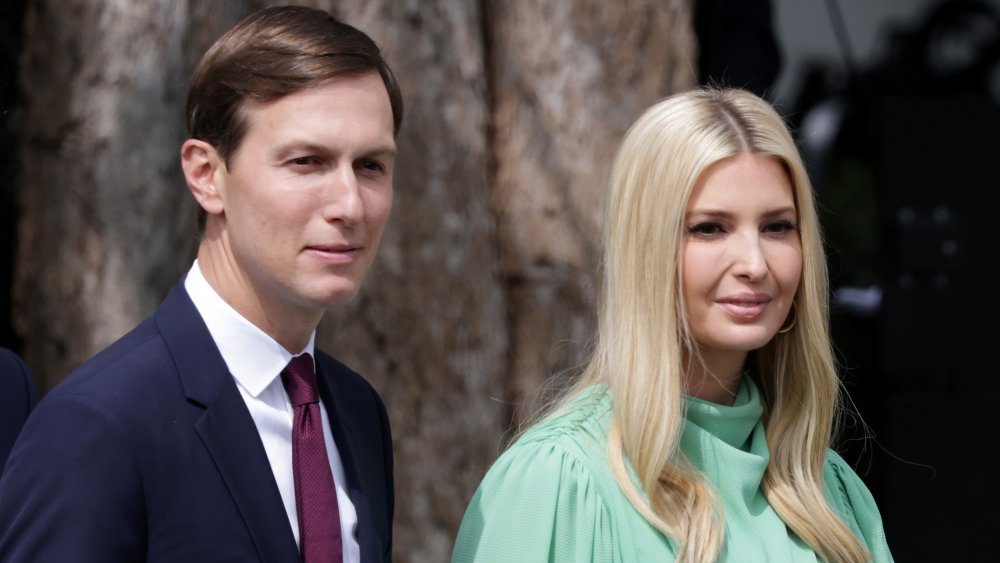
{"x":551,"y":496}
{"x":855,"y":504}
{"x":584,"y":419}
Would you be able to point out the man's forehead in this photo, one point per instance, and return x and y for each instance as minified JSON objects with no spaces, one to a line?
{"x":352,"y":108}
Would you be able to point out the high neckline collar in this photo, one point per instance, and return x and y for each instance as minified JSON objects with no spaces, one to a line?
{"x":731,"y":424}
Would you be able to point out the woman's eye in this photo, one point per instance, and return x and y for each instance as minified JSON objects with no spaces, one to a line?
{"x":706,"y":229}
{"x":779,"y":227}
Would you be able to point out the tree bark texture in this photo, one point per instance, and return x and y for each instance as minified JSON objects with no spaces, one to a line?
{"x":106,"y":221}
{"x":485,"y":284}
{"x":428,"y":328}
{"x":568,"y":78}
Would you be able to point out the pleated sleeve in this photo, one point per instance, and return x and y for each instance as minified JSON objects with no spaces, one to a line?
{"x":541,"y":501}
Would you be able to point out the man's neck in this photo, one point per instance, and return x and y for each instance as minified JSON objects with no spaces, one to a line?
{"x":288,"y":325}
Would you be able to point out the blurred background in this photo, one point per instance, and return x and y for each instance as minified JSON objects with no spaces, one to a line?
{"x":483,"y":292}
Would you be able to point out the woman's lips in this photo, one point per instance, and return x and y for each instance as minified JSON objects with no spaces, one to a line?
{"x":745,"y":306}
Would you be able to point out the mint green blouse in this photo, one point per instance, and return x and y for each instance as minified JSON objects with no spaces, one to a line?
{"x":551,"y":496}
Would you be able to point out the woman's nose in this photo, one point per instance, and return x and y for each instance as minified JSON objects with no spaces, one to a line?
{"x":749,"y":260}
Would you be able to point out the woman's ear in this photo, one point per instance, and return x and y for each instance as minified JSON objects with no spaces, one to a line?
{"x":204,"y":171}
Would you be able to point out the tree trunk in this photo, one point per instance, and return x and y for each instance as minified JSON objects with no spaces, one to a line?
{"x":106,"y":222}
{"x":485,"y":283}
{"x":568,"y":78}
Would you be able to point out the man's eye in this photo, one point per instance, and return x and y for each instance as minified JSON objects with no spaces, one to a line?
{"x":706,"y":229}
{"x":371,"y":165}
{"x":304,"y":161}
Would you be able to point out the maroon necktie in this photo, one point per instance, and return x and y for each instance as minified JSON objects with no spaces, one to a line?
{"x":315,"y":495}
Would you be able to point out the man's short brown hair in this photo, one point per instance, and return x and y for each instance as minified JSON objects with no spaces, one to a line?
{"x":272,"y":53}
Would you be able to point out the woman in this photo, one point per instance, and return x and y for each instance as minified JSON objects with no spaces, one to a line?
{"x":700,"y":429}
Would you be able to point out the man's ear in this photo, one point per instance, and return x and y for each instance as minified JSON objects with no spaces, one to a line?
{"x":204,"y":171}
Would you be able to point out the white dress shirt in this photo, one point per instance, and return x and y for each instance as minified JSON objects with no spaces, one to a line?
{"x":255,"y":361}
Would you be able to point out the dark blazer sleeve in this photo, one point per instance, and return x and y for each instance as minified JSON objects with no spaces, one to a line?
{"x":72,"y":477}
{"x":17,"y":397}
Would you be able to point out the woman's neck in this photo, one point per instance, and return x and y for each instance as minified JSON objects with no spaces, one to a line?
{"x":714,"y":377}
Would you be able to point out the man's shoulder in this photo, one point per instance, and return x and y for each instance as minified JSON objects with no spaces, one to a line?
{"x":135,"y":364}
{"x":17,"y":388}
{"x":9,"y":361}
{"x":15,"y":377}
{"x":140,"y":359}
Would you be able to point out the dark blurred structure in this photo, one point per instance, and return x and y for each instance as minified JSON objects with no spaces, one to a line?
{"x":903,"y":154}
{"x":737,"y":45}
{"x":11,"y":14}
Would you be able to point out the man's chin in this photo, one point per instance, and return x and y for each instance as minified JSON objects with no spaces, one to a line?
{"x":341,"y":295}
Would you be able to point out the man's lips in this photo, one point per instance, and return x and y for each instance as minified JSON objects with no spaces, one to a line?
{"x":745,"y":305}
{"x":335,"y":254}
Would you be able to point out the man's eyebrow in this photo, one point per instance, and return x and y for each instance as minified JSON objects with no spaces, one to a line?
{"x":295,"y":146}
{"x":387,"y":150}
{"x":384,"y":150}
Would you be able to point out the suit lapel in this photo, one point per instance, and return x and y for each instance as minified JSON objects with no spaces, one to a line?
{"x":226,"y":428}
{"x":340,"y":427}
{"x":232,"y":440}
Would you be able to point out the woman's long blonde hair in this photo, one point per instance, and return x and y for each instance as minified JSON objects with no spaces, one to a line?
{"x":642,"y":330}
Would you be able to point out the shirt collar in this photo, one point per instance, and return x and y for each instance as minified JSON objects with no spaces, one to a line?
{"x":254,"y":359}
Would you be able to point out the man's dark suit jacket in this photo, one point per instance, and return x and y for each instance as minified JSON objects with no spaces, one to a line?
{"x":17,"y":397}
{"x":148,"y":453}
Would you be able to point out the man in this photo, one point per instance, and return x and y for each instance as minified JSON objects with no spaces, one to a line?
{"x":198,"y":436}
{"x":17,"y":396}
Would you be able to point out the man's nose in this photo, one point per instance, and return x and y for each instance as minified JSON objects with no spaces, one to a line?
{"x":343,"y":196}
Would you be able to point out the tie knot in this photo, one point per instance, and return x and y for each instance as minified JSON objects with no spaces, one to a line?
{"x":299,"y":379}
